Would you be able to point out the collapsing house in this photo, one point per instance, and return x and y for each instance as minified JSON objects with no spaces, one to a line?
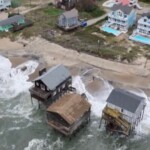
{"x":120,"y":19}
{"x":51,"y":84}
{"x":68,"y":20}
{"x":142,"y":33}
{"x":69,"y":113}
{"x":124,"y":110}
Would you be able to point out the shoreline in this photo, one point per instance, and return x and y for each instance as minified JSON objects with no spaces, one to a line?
{"x":49,"y":54}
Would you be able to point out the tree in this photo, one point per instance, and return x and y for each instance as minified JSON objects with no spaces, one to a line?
{"x":86,"y":5}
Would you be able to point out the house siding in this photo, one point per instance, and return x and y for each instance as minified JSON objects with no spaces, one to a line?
{"x":131,"y":19}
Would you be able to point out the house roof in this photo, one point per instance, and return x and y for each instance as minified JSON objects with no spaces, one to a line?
{"x":124,"y":8}
{"x":125,"y":100}
{"x":71,"y":13}
{"x":11,"y":20}
{"x":70,"y":107}
{"x":54,"y":76}
{"x":147,"y":15}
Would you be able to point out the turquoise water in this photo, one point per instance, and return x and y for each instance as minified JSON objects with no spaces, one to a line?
{"x":110,"y":30}
{"x":141,"y":39}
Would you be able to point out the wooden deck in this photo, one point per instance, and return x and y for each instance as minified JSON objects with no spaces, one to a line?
{"x":39,"y":94}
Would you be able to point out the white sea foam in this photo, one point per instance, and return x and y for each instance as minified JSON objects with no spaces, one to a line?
{"x":35,"y":144}
{"x":98,"y":102}
{"x":13,"y":81}
{"x":41,"y":144}
{"x":144,"y":126}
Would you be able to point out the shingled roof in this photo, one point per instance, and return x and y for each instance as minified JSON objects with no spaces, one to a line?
{"x":70,"y":14}
{"x":125,"y":100}
{"x":54,"y":76}
{"x":11,"y":20}
{"x":70,"y":107}
{"x":124,"y":8}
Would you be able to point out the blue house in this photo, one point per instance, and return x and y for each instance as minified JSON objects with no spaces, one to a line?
{"x":120,"y":19}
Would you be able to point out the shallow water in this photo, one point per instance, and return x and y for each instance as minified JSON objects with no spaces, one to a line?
{"x":23,"y":126}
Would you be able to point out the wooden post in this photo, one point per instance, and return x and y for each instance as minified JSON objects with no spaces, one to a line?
{"x":100,"y":122}
{"x":31,"y":101}
{"x":38,"y":104}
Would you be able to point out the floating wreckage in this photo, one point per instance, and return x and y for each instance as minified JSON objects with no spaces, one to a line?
{"x":66,"y":110}
{"x":124,"y":110}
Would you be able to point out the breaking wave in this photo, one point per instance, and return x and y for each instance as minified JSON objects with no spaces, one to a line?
{"x":99,"y":102}
{"x":14,"y":81}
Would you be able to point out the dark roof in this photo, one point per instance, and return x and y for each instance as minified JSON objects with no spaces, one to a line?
{"x":124,"y":8}
{"x":54,"y":76}
{"x":70,"y":107}
{"x":125,"y":100}
{"x":147,"y":15}
{"x":11,"y":20}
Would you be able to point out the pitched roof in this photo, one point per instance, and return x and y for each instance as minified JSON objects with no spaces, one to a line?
{"x":71,"y":13}
{"x":54,"y":76}
{"x":125,"y":100}
{"x":124,"y":8}
{"x":11,"y":20}
{"x":70,"y":107}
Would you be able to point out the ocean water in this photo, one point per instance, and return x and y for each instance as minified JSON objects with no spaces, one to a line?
{"x":23,"y":126}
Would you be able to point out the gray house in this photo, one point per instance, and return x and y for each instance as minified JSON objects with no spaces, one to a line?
{"x":123,"y":111}
{"x":51,"y":84}
{"x":68,"y":20}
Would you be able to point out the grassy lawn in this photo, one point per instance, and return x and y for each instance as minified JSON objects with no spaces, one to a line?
{"x":102,"y":45}
{"x":52,"y":11}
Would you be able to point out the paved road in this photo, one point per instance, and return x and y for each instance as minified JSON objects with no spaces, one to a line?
{"x":95,"y":20}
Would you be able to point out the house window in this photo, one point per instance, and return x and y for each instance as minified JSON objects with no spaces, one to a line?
{"x":42,"y":87}
{"x":37,"y":83}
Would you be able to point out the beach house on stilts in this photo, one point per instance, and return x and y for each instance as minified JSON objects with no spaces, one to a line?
{"x":123,"y":111}
{"x":51,"y":84}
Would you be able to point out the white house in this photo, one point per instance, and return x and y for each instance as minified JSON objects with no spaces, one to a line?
{"x":123,"y":111}
{"x":143,"y":27}
{"x":128,"y":104}
{"x":142,"y":33}
{"x":4,"y":4}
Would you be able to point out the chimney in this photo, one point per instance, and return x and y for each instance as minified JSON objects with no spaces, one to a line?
{"x":42,"y":71}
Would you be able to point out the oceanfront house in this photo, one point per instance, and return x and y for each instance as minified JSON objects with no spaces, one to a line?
{"x":123,"y":111}
{"x":51,"y":84}
{"x":66,"y":4}
{"x":4,"y":4}
{"x":142,"y":33}
{"x":68,"y":20}
{"x":69,"y":113}
{"x":9,"y":23}
{"x":120,"y":19}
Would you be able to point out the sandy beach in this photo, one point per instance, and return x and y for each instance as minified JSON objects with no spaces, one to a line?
{"x":49,"y":54}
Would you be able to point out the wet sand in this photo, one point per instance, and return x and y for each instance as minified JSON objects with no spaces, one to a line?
{"x":49,"y":54}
